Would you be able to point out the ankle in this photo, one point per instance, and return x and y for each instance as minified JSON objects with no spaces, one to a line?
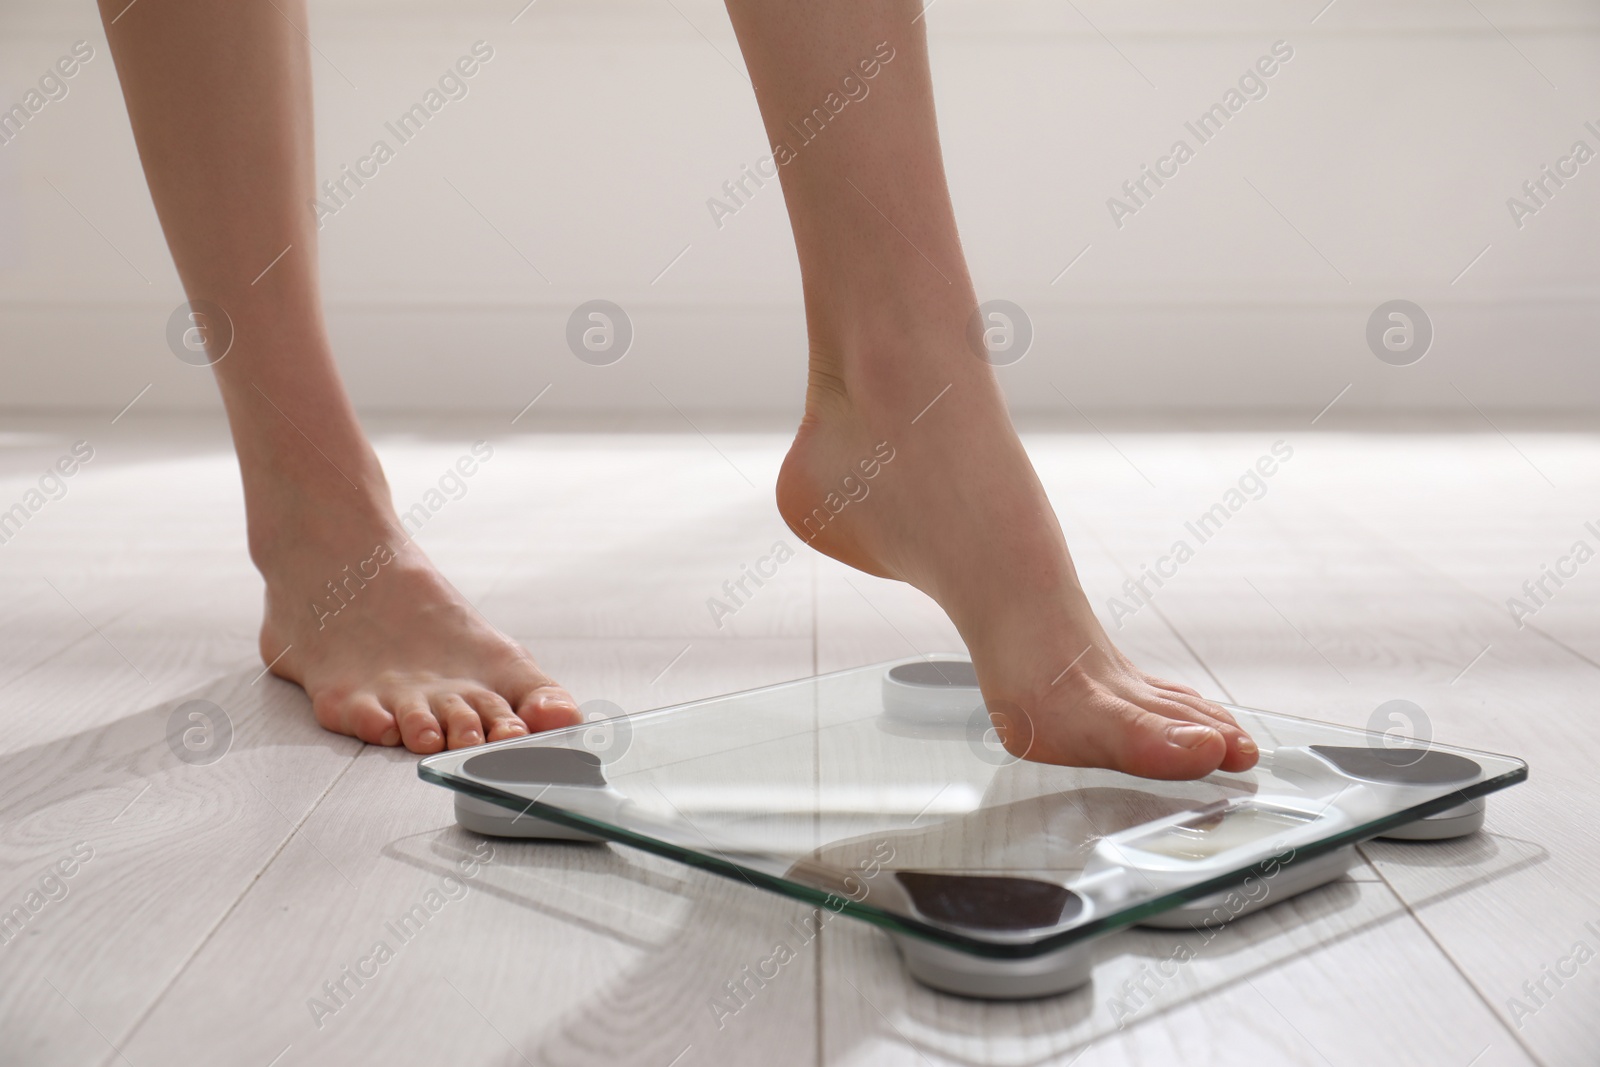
{"x":290,"y":522}
{"x":893,"y":369}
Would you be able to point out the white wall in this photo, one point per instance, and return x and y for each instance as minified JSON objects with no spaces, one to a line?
{"x":594,"y":137}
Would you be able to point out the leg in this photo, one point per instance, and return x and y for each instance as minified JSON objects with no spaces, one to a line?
{"x":220,"y":101}
{"x":958,"y":510}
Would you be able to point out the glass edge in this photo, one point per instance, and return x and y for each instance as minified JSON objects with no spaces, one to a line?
{"x":1428,"y":744}
{"x":990,"y":949}
{"x":714,"y":864}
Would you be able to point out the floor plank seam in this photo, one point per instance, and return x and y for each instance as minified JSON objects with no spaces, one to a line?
{"x":1410,"y":556}
{"x":1244,"y":977}
{"x":1171,"y":627}
{"x":1198,"y":658}
{"x":64,"y":649}
{"x":1412,"y":561}
{"x":129,"y":1034}
{"x":1454,"y":964}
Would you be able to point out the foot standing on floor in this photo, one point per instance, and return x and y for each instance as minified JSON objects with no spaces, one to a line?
{"x":219,"y":96}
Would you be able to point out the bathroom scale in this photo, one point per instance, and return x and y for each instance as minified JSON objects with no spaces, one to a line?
{"x":883,"y":793}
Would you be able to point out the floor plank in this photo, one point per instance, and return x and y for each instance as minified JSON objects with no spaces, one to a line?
{"x":1345,"y":617}
{"x":553,"y":954}
{"x":219,"y":898}
{"x":171,"y":847}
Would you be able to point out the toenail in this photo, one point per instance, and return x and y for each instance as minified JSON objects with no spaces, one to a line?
{"x":1190,"y":735}
{"x":427,"y":737}
{"x":391,"y":736}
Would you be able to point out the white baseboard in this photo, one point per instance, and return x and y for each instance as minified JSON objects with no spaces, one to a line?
{"x":1110,"y":355}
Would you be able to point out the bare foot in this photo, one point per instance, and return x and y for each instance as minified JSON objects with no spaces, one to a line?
{"x":389,"y":651}
{"x":950,"y":503}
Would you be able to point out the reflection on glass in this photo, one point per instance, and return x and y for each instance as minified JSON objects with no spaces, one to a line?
{"x":1214,"y":833}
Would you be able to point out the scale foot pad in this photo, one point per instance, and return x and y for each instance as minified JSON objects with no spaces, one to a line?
{"x":987,"y":978}
{"x":1456,"y":822}
{"x":483,"y":817}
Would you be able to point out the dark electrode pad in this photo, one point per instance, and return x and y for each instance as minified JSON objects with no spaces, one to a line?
{"x":936,"y":673}
{"x":1400,"y":766}
{"x":990,"y":902}
{"x":541,"y":766}
{"x":931,"y":692}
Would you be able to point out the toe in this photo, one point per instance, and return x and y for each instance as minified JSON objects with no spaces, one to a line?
{"x":549,"y":708}
{"x":1181,"y":702}
{"x":1175,"y":687}
{"x":357,"y":715}
{"x":1242,"y":752}
{"x":419,"y":728}
{"x":539,"y":701}
{"x":462,"y":727}
{"x":1157,"y":746}
{"x":495,"y":713}
{"x":1182,"y":694}
{"x":1152,"y":739}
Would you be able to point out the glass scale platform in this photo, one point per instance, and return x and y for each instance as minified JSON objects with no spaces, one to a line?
{"x":883,"y":793}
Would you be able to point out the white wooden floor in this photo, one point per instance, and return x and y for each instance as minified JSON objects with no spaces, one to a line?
{"x":219,"y":898}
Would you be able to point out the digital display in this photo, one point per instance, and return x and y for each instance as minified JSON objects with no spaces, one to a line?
{"x":1214,"y":833}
